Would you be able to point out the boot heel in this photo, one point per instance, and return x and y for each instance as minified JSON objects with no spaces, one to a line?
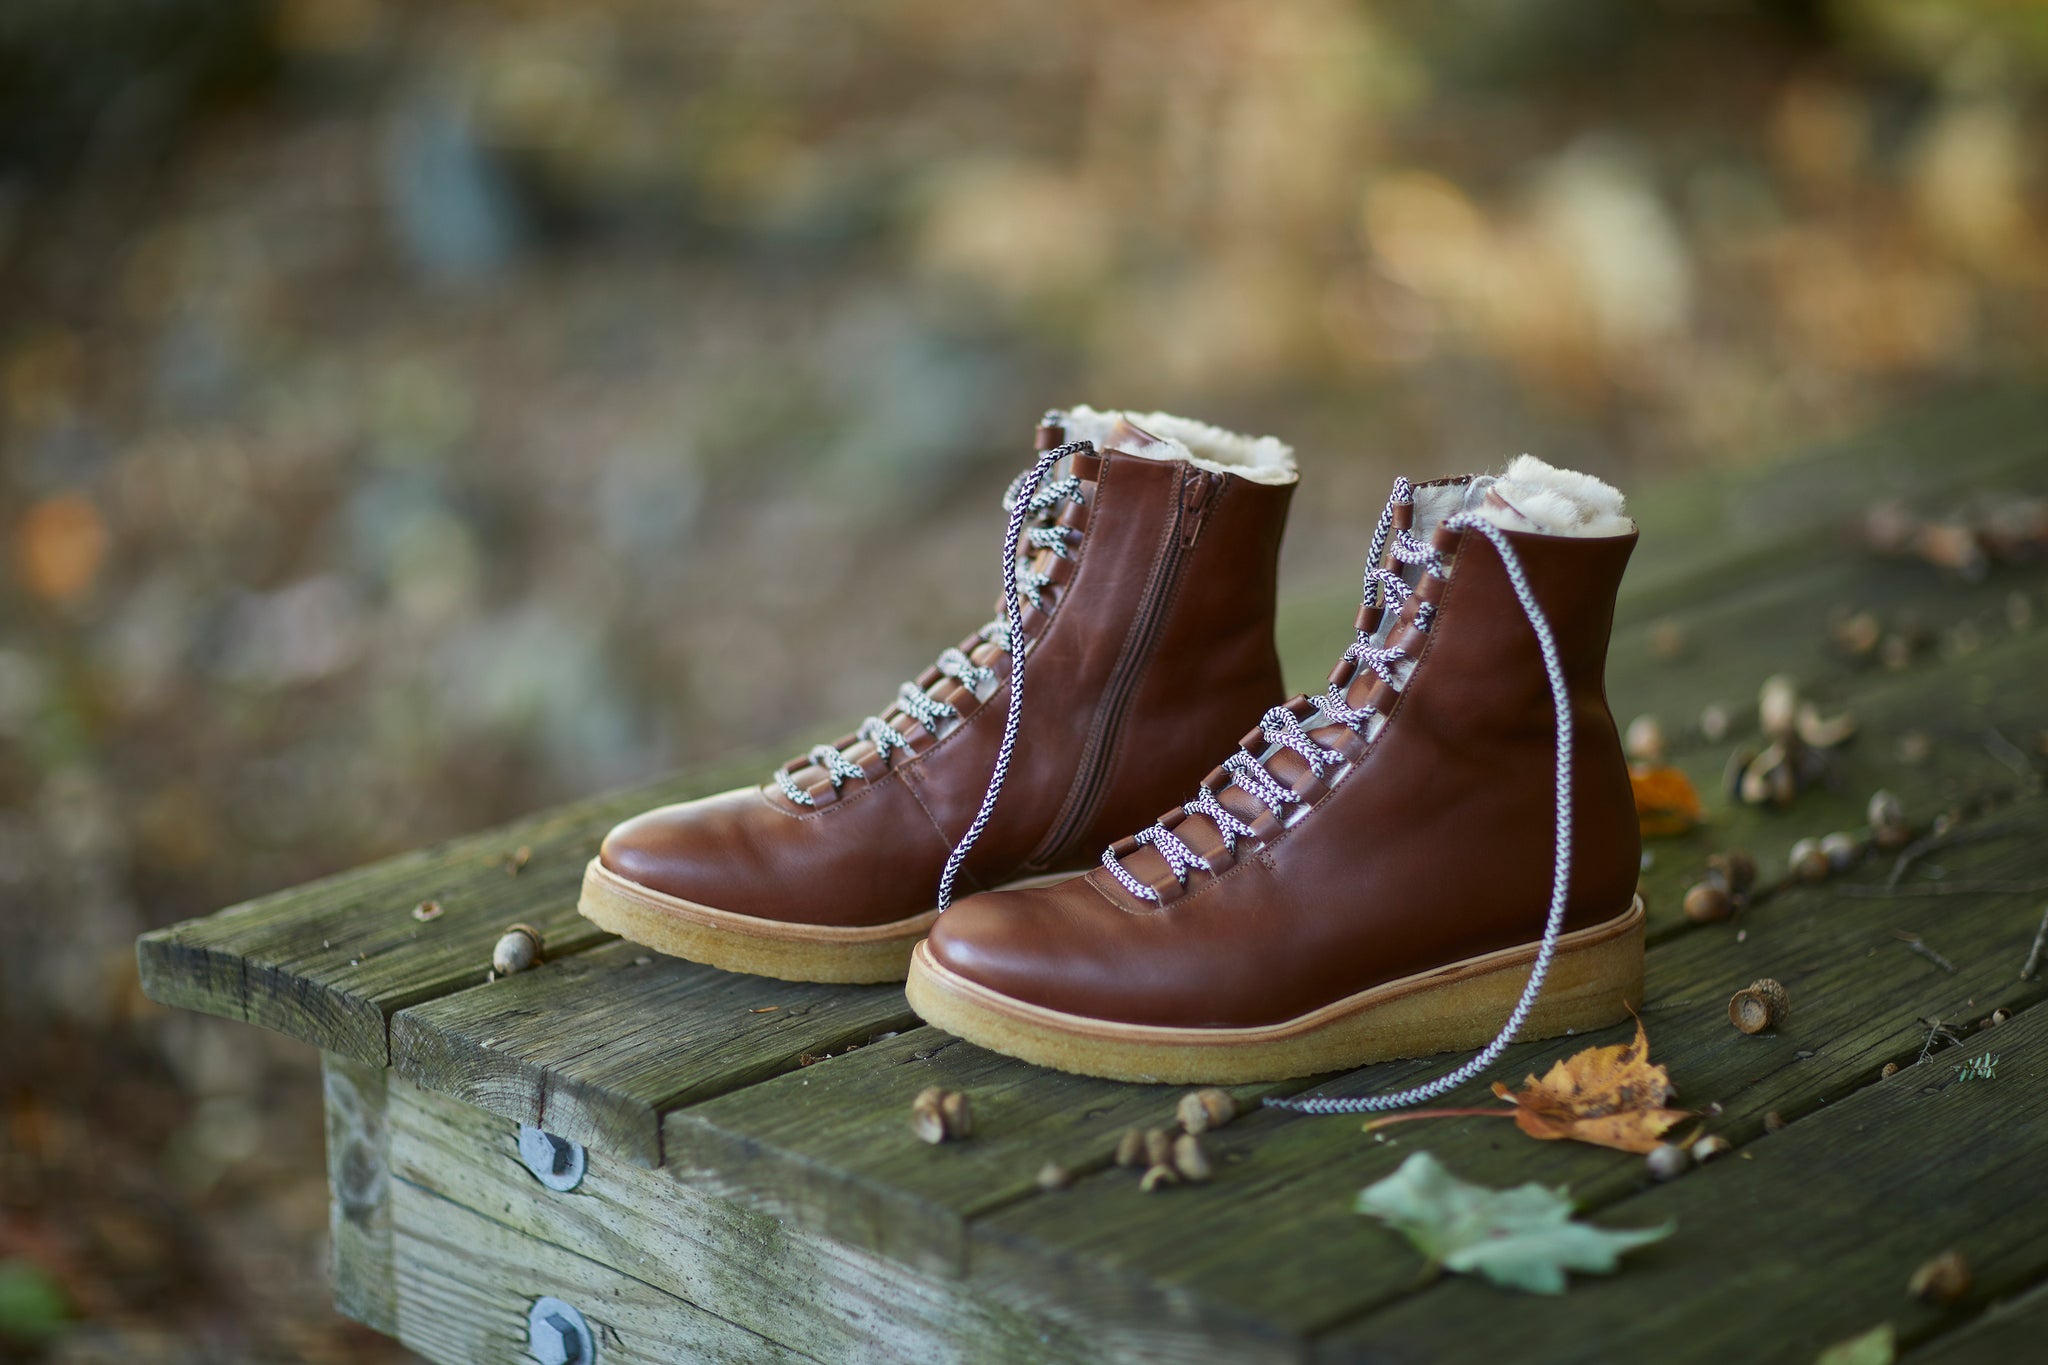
{"x":1593,"y":983}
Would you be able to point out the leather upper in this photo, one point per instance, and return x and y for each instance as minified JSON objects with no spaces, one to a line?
{"x":1431,"y":844}
{"x":1153,"y":650}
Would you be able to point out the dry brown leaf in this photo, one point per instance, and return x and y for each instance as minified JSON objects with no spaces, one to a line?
{"x":1609,"y":1096}
{"x":1665,"y":800}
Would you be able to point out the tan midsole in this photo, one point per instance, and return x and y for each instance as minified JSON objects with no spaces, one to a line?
{"x":1324,"y":1039}
{"x":601,"y":878}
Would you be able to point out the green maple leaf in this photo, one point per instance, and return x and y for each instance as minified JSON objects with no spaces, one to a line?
{"x":1523,"y":1238}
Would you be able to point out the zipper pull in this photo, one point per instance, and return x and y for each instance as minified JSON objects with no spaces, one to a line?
{"x":1198,"y":492}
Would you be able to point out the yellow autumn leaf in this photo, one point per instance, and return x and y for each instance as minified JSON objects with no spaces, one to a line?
{"x":1610,"y":1096}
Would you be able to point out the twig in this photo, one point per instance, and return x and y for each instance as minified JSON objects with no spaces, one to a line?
{"x":1930,"y":843}
{"x":2019,"y":888}
{"x":1934,"y":1030}
{"x":1920,"y":946}
{"x":1373,"y":1124}
{"x":2033,"y":963}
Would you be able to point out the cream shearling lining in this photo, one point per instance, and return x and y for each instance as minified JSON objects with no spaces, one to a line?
{"x":1534,"y":496}
{"x":1261,"y":459}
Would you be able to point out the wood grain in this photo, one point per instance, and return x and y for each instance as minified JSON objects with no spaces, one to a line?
{"x":597,"y":1046}
{"x":810,"y":1293}
{"x":1808,"y":1239}
{"x":465,"y":1285}
{"x":329,"y":963}
{"x":359,"y":1191}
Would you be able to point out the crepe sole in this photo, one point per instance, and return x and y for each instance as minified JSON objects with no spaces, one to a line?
{"x":1595,"y":980}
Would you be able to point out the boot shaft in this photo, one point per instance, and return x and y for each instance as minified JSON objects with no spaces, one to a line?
{"x":1151,"y":644}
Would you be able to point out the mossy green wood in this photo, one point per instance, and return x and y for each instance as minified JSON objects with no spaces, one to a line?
{"x":2013,"y":1328}
{"x":466,"y":1284}
{"x":833,"y":1151}
{"x":1274,"y":1241}
{"x":1809,"y":1237}
{"x":329,"y":963}
{"x":805,"y":1291}
{"x":595,"y":1047}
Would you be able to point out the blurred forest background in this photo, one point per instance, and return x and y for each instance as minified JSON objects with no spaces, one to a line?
{"x":412,"y":414}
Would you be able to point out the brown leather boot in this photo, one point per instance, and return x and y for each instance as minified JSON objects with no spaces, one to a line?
{"x":1368,"y":876}
{"x":1144,"y":599}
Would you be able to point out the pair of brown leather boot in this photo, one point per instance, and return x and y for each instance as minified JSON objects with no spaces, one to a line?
{"x":1438,"y":851}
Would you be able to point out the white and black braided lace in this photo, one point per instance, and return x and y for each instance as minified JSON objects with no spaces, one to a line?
{"x":1025,"y":500}
{"x":1281,"y":728}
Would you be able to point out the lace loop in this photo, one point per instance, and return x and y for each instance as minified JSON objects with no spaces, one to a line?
{"x":912,"y":700}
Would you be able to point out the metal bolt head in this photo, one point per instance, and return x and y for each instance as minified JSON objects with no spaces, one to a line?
{"x":556,"y":1334}
{"x":554,"y":1161}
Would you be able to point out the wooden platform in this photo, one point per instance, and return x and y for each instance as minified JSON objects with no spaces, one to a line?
{"x":753,"y":1192}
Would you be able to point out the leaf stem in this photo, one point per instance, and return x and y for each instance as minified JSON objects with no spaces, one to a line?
{"x":1506,"y":1113}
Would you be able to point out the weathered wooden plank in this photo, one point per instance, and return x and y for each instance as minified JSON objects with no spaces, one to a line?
{"x":330,"y":962}
{"x":1809,"y":1238}
{"x":1282,"y":1246}
{"x":465,"y":1285}
{"x":2015,"y":1329}
{"x":359,"y":1191}
{"x":831,"y":1150}
{"x":801,"y":1290}
{"x":597,"y":1046}
{"x":847,"y":1167}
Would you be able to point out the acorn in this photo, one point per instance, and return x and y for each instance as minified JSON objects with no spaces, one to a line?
{"x":1644,"y":740}
{"x":1891,"y":1069}
{"x":1858,"y":634}
{"x":938,"y":1115}
{"x":1807,"y":862}
{"x":1773,"y":1121}
{"x":1736,"y":869}
{"x":1053,"y":1177}
{"x":1841,"y":850}
{"x":518,"y":948}
{"x":1130,"y":1148}
{"x":1158,"y":1147}
{"x":1158,"y":1175}
{"x":1709,"y":1147}
{"x":1189,"y":1160}
{"x":1820,"y":732}
{"x":1887,"y":817}
{"x":1667,"y":1161}
{"x":1201,"y":1110}
{"x":1943,"y":1280}
{"x":1707,"y":903}
{"x":1763,"y":1004}
{"x":1713,"y":722}
{"x":1777,"y":706}
{"x":1770,"y":778}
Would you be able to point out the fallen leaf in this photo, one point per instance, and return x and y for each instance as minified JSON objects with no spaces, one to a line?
{"x":1666,"y":803}
{"x":1878,"y":1346}
{"x":1523,"y":1238}
{"x":1609,"y":1096}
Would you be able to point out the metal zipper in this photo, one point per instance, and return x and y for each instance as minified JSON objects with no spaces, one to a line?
{"x":1198,"y":491}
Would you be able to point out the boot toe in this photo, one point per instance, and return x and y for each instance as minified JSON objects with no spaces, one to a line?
{"x":687,"y":851}
{"x":1037,"y":946}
